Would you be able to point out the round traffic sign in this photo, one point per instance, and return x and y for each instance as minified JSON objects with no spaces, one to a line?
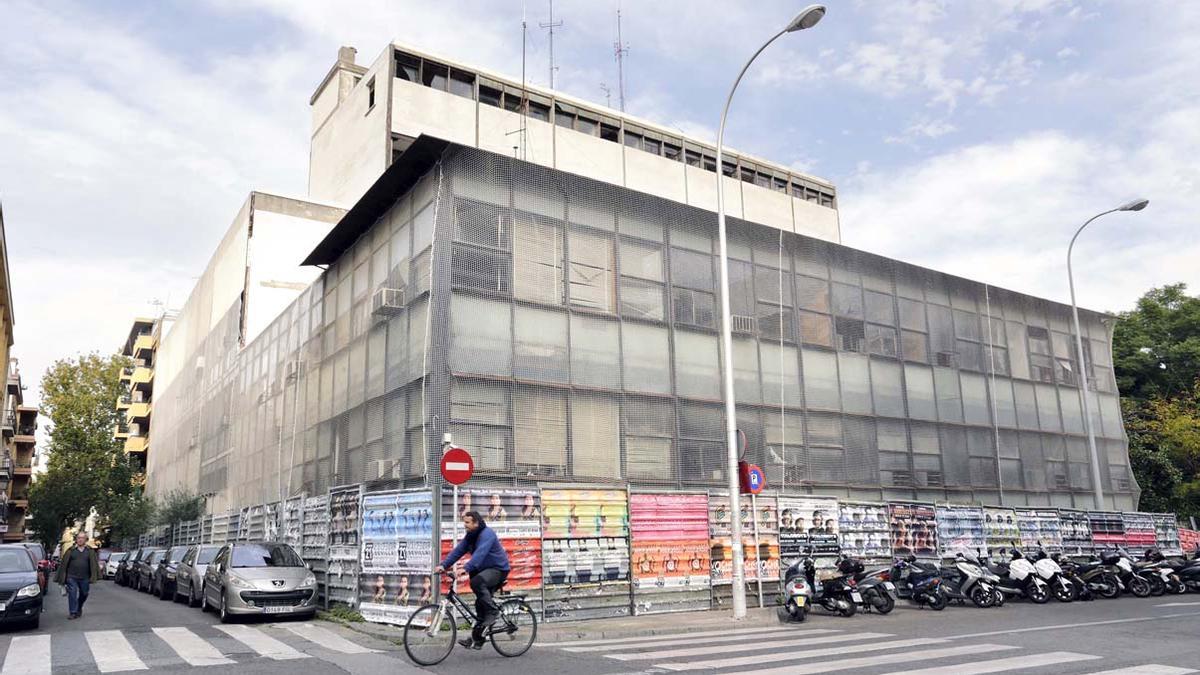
{"x":755,"y":478}
{"x":457,"y":466}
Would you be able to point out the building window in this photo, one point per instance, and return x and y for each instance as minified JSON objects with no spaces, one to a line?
{"x":408,"y":67}
{"x":642,"y":280}
{"x":649,"y":426}
{"x":595,"y":436}
{"x":370,"y":94}
{"x":540,"y":430}
{"x":540,"y":344}
{"x":479,"y":422}
{"x":692,"y":295}
{"x":820,"y":380}
{"x":697,"y":373}
{"x":1041,"y":364}
{"x":646,"y":358}
{"x":815,"y":329}
{"x":595,"y":350}
{"x":591,"y":271}
{"x":537,"y":259}
{"x":434,"y":75}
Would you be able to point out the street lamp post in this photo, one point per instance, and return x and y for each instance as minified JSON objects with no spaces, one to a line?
{"x":805,"y":19}
{"x":1135,"y":205}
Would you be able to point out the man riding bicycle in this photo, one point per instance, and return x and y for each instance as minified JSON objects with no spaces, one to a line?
{"x":488,"y":568}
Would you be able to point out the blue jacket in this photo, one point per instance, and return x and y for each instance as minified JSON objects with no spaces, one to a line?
{"x":485,"y":549}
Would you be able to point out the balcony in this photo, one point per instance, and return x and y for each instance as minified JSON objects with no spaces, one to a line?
{"x":142,"y":376}
{"x":126,"y":373}
{"x":121,"y":431}
{"x":137,"y":410}
{"x":124,"y":400}
{"x":136,"y":443}
{"x":23,"y":469}
{"x":143,"y":346}
{"x":26,"y":433}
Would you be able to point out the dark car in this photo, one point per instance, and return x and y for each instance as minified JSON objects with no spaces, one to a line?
{"x":20,"y":594}
{"x":164,"y":572}
{"x":125,"y":568}
{"x":143,"y":575}
{"x":43,"y":565}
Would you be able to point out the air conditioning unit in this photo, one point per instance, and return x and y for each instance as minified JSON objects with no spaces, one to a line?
{"x":933,"y":478}
{"x":743,"y":324}
{"x":387,"y":302}
{"x":947,"y":359}
{"x":1060,"y":481}
{"x":902,"y":478}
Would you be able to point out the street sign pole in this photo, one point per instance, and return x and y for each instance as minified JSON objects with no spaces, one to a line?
{"x":454,"y":521}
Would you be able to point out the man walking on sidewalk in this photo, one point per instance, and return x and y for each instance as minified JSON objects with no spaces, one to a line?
{"x":80,"y":566}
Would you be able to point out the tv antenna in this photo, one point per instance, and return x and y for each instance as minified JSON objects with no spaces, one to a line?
{"x":551,"y":25}
{"x":607,"y":94}
{"x":620,"y":49}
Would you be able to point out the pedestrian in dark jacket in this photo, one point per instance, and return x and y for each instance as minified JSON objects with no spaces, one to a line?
{"x":488,"y":568}
{"x":79,"y":567}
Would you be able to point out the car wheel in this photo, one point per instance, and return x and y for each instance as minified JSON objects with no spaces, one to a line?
{"x":162,"y":592}
{"x":203,"y":602}
{"x":225,"y":616}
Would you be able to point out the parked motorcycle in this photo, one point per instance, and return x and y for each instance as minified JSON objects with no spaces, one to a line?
{"x":1060,"y":586}
{"x":964,"y":580}
{"x":1083,"y":590}
{"x":796,"y":596}
{"x":878,"y":594}
{"x":1130,"y":578}
{"x":1020,"y":578}
{"x":918,"y":581}
{"x":835,"y":595}
{"x":1161,"y":576}
{"x":1187,"y":571}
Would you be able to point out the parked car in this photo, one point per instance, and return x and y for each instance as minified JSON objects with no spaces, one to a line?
{"x":259,"y":578}
{"x":124,"y":574}
{"x":189,"y":576}
{"x":114,"y":561}
{"x":20,"y":593}
{"x":45,"y":568}
{"x":144,"y":571}
{"x":162,"y":574}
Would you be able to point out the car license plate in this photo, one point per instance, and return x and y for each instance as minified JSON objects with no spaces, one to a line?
{"x":277,"y":609}
{"x":856,"y":596}
{"x":889,"y":585}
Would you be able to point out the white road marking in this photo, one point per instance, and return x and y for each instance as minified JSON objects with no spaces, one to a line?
{"x":28,"y":655}
{"x":999,"y":665}
{"x":261,"y":643}
{"x":112,"y":652}
{"x":688,"y":640}
{"x":327,"y":639}
{"x":1148,"y":669}
{"x":869,"y":661}
{"x":1180,"y":604}
{"x":790,"y":656}
{"x":1034,"y":629}
{"x":749,"y":646}
{"x":191,"y":647}
{"x":659,"y":638}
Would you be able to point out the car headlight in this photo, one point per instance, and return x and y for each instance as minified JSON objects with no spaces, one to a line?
{"x":30,"y":591}
{"x":239,"y":582}
{"x":309,"y":581}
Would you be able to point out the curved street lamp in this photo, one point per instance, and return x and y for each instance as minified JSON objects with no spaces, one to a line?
{"x":1135,"y":205}
{"x":807,"y":18}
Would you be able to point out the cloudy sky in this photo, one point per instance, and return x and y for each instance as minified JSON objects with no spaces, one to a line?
{"x":971,"y":137}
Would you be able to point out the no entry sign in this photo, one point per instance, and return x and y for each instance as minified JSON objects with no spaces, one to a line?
{"x":457,"y":466}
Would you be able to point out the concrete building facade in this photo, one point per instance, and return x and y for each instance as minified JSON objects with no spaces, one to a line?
{"x":19,"y":430}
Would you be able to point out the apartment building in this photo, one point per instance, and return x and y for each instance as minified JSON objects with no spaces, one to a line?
{"x":136,"y":400}
{"x":19,"y":430}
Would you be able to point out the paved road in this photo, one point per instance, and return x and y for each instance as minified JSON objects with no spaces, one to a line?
{"x":122,"y":630}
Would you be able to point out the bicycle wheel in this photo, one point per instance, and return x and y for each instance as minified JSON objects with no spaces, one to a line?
{"x":515,"y":630}
{"x":429,"y":635}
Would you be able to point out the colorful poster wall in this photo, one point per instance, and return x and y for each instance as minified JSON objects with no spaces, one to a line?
{"x":1076,"y":532}
{"x":863,"y":531}
{"x":1166,"y":534}
{"x":585,"y":554}
{"x":397,"y":555}
{"x":1001,"y":532}
{"x":1189,"y":540}
{"x":314,"y":546}
{"x":1108,"y":529}
{"x":914,"y":529}
{"x":344,"y":516}
{"x":670,"y":564}
{"x":960,"y":528}
{"x":516,"y":517}
{"x":809,"y":526}
{"x":1040,"y":529}
{"x":760,"y":547}
{"x":1140,"y":532}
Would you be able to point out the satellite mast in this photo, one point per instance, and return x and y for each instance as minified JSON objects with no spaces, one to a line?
{"x":620,"y":49}
{"x":607,"y":94}
{"x":551,"y":25}
{"x":524,"y":94}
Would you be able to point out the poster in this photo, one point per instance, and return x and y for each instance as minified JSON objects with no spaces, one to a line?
{"x":863,"y":531}
{"x":760,"y":539}
{"x":1166,"y":534}
{"x":960,"y":528}
{"x":1108,"y":529}
{"x":314,"y":537}
{"x":293,"y":522}
{"x":1189,"y":540}
{"x":1076,"y":532}
{"x":1000,"y":532}
{"x":914,"y":529}
{"x":1040,"y":529}
{"x":585,"y":553}
{"x":343,"y":552}
{"x":396,"y":559}
{"x":809,"y":526}
{"x":1140,"y":532}
{"x":516,"y":517}
{"x":671,"y":562}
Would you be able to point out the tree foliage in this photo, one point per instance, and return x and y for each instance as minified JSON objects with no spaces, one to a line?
{"x":1156,"y":358}
{"x":180,"y":506}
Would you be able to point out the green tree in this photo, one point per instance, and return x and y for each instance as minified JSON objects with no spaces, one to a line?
{"x":180,"y":506}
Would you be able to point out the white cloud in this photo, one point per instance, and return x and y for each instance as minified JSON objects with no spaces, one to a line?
{"x":1067,"y":53}
{"x":923,"y":130}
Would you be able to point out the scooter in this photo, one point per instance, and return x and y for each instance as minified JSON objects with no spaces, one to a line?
{"x":1060,"y":586}
{"x":878,"y":594}
{"x":835,"y":595}
{"x":919,"y":582}
{"x":964,"y":580}
{"x":1083,"y":591}
{"x":1154,"y":560}
{"x":796,"y":596}
{"x":1130,"y":578}
{"x":1020,"y":578}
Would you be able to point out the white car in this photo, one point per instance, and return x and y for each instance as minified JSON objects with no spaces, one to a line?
{"x":110,"y":567}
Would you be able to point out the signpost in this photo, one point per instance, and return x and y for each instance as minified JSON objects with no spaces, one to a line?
{"x":457,"y":467}
{"x":753,"y":478}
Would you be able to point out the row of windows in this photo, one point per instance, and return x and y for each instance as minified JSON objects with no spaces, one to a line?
{"x":607,"y":127}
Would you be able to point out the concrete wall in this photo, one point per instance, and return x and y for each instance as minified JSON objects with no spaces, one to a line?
{"x":351,"y":148}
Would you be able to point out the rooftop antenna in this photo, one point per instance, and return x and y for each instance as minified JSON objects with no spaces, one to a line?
{"x":524,"y":94}
{"x":551,"y":25}
{"x":620,"y":49}
{"x":607,"y":94}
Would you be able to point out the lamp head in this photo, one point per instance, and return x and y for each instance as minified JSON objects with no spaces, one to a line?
{"x":807,"y":18}
{"x":1135,"y":205}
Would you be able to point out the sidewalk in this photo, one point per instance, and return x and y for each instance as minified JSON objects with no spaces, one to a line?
{"x":607,"y":629}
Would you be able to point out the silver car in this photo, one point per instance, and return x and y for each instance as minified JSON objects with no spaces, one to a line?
{"x":189,"y":575}
{"x":110,"y":567}
{"x":259,"y":578}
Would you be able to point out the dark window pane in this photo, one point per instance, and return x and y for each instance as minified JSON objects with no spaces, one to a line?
{"x":407,"y":67}
{"x":434,"y":75}
{"x":847,"y":301}
{"x":850,"y":334}
{"x":489,"y":96}
{"x":741,"y":288}
{"x":767,"y":285}
{"x":480,"y":269}
{"x":879,"y":308}
{"x":652,"y":146}
{"x":970,"y":355}
{"x":539,"y":111}
{"x":671,"y":152}
{"x":914,"y":346}
{"x":462,"y":84}
{"x":609,"y":132}
{"x":586,"y":126}
{"x":633,"y":140}
{"x":774,"y":321}
{"x":694,"y":308}
{"x":881,"y":340}
{"x":691,"y":270}
{"x":813,"y":293}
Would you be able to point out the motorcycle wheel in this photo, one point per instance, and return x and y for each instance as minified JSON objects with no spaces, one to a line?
{"x":982,"y":597}
{"x":1109,"y":587}
{"x":1063,"y":594}
{"x":883,"y":603}
{"x":1177,"y":587}
{"x":1076,"y":589}
{"x":1139,"y":586}
{"x":999,"y":595}
{"x":1157,"y":587}
{"x":848,"y":610}
{"x":936,"y":602}
{"x":1038,"y":594}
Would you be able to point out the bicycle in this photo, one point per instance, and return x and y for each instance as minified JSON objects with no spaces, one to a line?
{"x":431,"y":631}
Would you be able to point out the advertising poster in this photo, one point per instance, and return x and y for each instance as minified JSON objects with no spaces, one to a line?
{"x":314,"y":546}
{"x":1076,"y":532}
{"x":516,"y":517}
{"x":863,"y":531}
{"x":1108,"y":529}
{"x":914,"y":529}
{"x":397,"y":540}
{"x":1140,"y":532}
{"x":960,"y":528}
{"x":1166,"y":533}
{"x":1040,"y":529}
{"x":1189,"y":540}
{"x":1001,"y":532}
{"x":344,"y":517}
{"x":293,"y":522}
{"x":585,"y":554}
{"x":808,"y":526}
{"x":671,"y":553}
{"x":760,"y":538}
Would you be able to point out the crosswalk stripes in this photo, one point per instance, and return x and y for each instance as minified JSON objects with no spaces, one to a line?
{"x":112,"y":652}
{"x":261,"y":643}
{"x":327,"y":639}
{"x":28,"y":655}
{"x":191,"y":647}
{"x":765,"y":651}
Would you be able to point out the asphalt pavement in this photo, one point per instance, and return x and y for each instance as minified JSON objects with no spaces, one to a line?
{"x":123,"y":630}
